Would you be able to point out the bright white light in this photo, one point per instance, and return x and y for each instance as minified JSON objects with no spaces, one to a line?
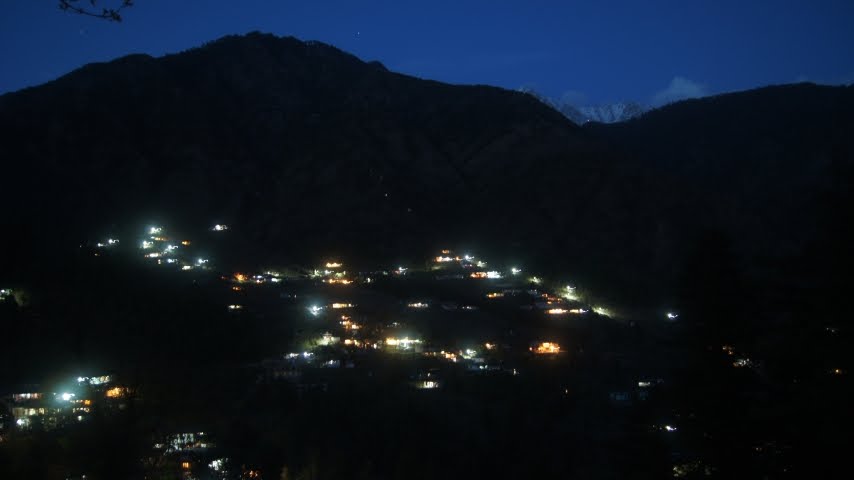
{"x":219,"y":228}
{"x":602,"y":311}
{"x":66,"y":397}
{"x":670,"y":428}
{"x":112,"y":241}
{"x":535,"y":280}
{"x":147,"y":244}
{"x":468,"y":257}
{"x":81,"y":379}
{"x":672,"y":316}
{"x":492,"y":274}
{"x":187,"y":267}
{"x":515,"y":271}
{"x":201,"y":261}
{"x":171,"y":260}
{"x":314,"y":310}
{"x":155,"y":230}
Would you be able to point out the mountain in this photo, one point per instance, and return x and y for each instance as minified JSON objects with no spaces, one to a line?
{"x":308,"y":151}
{"x":299,"y":145}
{"x":605,"y":113}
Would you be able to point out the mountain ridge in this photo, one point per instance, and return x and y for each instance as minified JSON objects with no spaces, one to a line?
{"x":307,"y":149}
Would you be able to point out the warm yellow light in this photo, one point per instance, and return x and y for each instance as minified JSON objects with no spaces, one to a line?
{"x":556,"y":311}
{"x":333,"y":265}
{"x":185,"y":243}
{"x":494,"y":295}
{"x":240,"y":277}
{"x":115,"y":392}
{"x":342,"y":305}
{"x":546,"y":348}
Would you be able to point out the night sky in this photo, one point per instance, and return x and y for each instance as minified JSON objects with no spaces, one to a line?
{"x":586,"y":51}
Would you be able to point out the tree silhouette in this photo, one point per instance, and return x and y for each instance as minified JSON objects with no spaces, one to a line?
{"x":111,"y":14}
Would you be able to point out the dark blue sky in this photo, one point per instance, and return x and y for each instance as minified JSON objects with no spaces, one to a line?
{"x":590,"y":51}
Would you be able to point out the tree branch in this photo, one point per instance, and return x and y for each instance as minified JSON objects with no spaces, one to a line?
{"x":111,"y":14}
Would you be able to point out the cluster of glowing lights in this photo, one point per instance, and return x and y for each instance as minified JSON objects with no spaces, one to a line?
{"x":219,"y":228}
{"x":569,"y":293}
{"x":338,"y":281}
{"x":557,"y":311}
{"x":494,"y":295}
{"x":116,"y":392}
{"x":402,"y":343}
{"x":535,"y":280}
{"x":110,"y":242}
{"x":334,"y":264}
{"x":491,"y":274}
{"x":99,"y":380}
{"x":515,"y":271}
{"x":427,"y":384}
{"x":546,"y":348}
{"x":315,"y":310}
{"x":342,"y":305}
{"x":155,"y":230}
{"x":742,"y":363}
{"x":489,"y":346}
{"x":418,"y":305}
{"x":234,"y":307}
{"x":349,"y":324}
{"x":672,"y":316}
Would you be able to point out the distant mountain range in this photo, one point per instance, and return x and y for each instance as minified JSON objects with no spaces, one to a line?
{"x":307,"y":150}
{"x":602,"y":113}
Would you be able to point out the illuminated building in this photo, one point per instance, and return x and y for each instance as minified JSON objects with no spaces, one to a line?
{"x":101,"y":380}
{"x":546,"y":348}
{"x":116,"y":392}
{"x":404,"y":343}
